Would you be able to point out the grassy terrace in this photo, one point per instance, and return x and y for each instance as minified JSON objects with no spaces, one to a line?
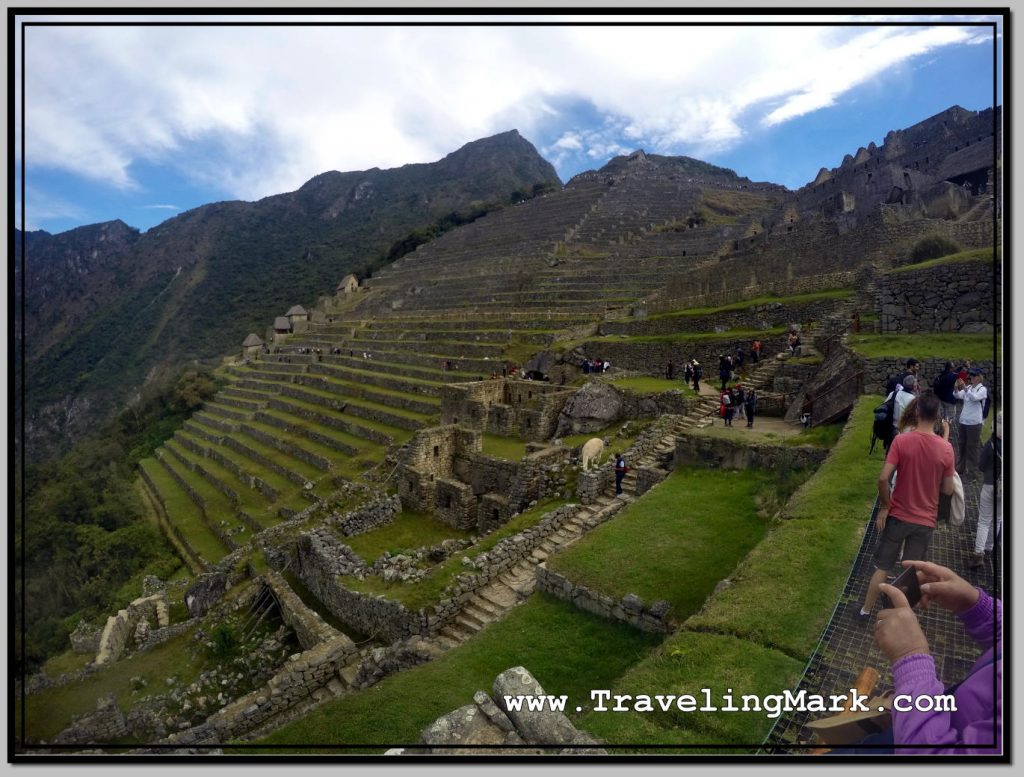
{"x":511,"y":448}
{"x":755,"y":636}
{"x":977,"y":255}
{"x":568,"y":651}
{"x":409,"y":530}
{"x":184,"y":513}
{"x":693,"y":529}
{"x":824,"y":436}
{"x":808,"y":556}
{"x":428,"y":590}
{"x":796,"y":299}
{"x":49,"y":712}
{"x":976,"y":347}
{"x":648,"y":384}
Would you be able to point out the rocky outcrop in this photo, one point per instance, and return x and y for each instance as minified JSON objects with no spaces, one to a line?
{"x":593,"y":407}
{"x":492,"y":722}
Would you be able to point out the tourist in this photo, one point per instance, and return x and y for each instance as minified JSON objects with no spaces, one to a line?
{"x":907,"y":392}
{"x":943,"y":387}
{"x":736,"y":395}
{"x":670,"y":369}
{"x":688,"y":372}
{"x":586,"y":366}
{"x":908,"y":418}
{"x":913,"y":365}
{"x":907,"y":514}
{"x":990,"y":462}
{"x":971,"y":418}
{"x":755,"y":351}
{"x":750,"y":405}
{"x":620,"y":472}
{"x":607,"y":365}
{"x":738,"y":359}
{"x":725,"y":407}
{"x":698,"y":373}
{"x":724,"y":369}
{"x":974,"y":724}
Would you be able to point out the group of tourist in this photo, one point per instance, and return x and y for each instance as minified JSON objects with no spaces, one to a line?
{"x":595,"y":366}
{"x":736,"y":400}
{"x":920,"y":466}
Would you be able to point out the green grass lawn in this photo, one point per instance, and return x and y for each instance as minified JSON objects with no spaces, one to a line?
{"x":824,"y":436}
{"x":568,"y":651}
{"x":48,"y":712}
{"x":684,"y":664}
{"x":785,"y":590}
{"x":511,"y":448}
{"x":975,"y":255}
{"x":427,"y":591}
{"x":674,"y":543}
{"x":648,"y":384}
{"x":948,"y":345}
{"x":409,"y":530}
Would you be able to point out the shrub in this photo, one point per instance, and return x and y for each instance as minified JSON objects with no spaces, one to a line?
{"x":932,"y":247}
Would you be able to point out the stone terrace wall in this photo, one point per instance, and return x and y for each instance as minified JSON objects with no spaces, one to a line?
{"x":378,"y":513}
{"x":764,"y":316}
{"x":778,"y":261}
{"x":301,"y":675}
{"x":309,"y":627}
{"x":944,"y":298}
{"x":696,"y":449}
{"x":652,"y":356}
{"x":630,"y":609}
{"x":878,"y":371}
{"x":321,"y":564}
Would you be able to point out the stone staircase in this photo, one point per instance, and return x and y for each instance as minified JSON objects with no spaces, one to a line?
{"x":702,"y":415}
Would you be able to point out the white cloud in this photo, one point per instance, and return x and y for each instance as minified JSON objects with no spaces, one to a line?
{"x":281,"y":104}
{"x":160,"y":207}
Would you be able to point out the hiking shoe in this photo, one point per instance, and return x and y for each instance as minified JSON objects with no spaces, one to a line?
{"x":862,"y":618}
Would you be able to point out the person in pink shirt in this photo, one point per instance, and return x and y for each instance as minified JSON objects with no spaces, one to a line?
{"x":907,"y":514}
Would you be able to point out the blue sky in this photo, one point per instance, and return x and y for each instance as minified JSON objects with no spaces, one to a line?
{"x":142,"y":123}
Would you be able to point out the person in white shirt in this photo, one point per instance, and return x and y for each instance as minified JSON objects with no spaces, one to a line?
{"x":903,"y":398}
{"x":971,"y":417}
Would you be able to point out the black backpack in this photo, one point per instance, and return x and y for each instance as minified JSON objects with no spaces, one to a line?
{"x":881,"y":428}
{"x":986,"y":404}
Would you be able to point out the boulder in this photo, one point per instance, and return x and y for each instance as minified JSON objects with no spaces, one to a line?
{"x":467,"y":725}
{"x":205,"y":592}
{"x":593,"y":407}
{"x":537,"y":727}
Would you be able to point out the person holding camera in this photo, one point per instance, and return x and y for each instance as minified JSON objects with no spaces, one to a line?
{"x":971,"y":419}
{"x":975,"y":726}
{"x":908,"y":513}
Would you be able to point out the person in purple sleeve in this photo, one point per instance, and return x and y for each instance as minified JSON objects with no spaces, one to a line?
{"x":975,"y":728}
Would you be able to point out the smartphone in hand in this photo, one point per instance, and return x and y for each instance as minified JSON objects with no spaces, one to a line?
{"x":906,"y":581}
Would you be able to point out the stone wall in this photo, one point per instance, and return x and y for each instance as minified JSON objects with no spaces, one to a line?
{"x":380,"y":512}
{"x":525,"y":408}
{"x":318,"y":566}
{"x":878,"y":371}
{"x":120,"y":629}
{"x":785,"y":263}
{"x":698,"y":449}
{"x":957,"y":297}
{"x":651,"y":356}
{"x":630,"y":609}
{"x":106,"y":724}
{"x":590,"y":485}
{"x":309,"y":627}
{"x":762,"y":316}
{"x":301,"y":675}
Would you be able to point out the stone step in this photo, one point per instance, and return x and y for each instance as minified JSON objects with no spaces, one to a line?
{"x":468,"y":623}
{"x":455,"y":632}
{"x":483,"y":606}
{"x":499,"y":594}
{"x":446,"y":643}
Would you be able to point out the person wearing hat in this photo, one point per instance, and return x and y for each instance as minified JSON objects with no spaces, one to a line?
{"x":973,"y":395}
